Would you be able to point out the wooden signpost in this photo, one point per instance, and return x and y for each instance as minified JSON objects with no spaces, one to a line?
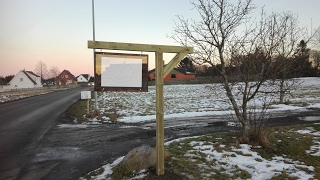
{"x":161,"y":72}
{"x":86,"y":95}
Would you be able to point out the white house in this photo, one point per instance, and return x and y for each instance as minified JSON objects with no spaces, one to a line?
{"x":25,"y":79}
{"x":83,"y":78}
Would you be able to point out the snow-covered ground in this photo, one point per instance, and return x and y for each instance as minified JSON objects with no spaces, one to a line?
{"x":238,"y":158}
{"x":200,"y":100}
{"x":16,"y":95}
{"x":204,"y":100}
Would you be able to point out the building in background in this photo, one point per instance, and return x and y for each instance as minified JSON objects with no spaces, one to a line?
{"x":25,"y":79}
{"x":175,"y":74}
{"x":83,"y":78}
{"x":66,"y":78}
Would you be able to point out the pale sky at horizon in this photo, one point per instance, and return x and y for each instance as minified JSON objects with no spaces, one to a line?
{"x":56,"y":31}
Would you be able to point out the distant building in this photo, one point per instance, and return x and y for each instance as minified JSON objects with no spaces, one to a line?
{"x":83,"y":78}
{"x":25,"y":79}
{"x":66,"y":78}
{"x":175,"y":74}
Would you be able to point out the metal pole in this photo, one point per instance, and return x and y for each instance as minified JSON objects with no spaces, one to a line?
{"x":94,"y":38}
{"x":93,"y":26}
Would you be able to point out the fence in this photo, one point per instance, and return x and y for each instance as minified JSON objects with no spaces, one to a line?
{"x":57,"y":87}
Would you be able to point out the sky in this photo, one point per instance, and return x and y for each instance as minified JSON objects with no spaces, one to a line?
{"x":56,"y":31}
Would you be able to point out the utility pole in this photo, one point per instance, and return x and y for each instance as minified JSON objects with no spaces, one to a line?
{"x":94,"y":39}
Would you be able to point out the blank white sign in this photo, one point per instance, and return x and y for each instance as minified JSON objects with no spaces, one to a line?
{"x":121,"y":72}
{"x":85,"y":94}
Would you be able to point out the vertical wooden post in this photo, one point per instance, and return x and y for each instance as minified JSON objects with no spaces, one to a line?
{"x":160,"y":74}
{"x":88,"y":109}
{"x":159,"y":114}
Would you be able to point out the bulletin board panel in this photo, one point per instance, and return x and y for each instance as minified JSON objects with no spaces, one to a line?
{"x":121,"y":72}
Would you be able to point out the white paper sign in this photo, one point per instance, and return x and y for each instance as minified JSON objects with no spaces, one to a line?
{"x":121,"y":72}
{"x":85,"y":94}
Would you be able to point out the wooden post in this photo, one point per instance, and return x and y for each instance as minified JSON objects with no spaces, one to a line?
{"x":88,"y":111}
{"x":160,"y":75}
{"x":159,"y":114}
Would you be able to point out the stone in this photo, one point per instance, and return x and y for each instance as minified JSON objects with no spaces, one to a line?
{"x":139,"y":158}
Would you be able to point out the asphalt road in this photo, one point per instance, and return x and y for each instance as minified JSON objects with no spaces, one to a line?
{"x":23,"y":124}
{"x":38,"y":141}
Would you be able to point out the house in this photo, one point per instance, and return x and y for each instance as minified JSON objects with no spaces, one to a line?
{"x":66,"y":78}
{"x":3,"y":85}
{"x":25,"y":79}
{"x":175,"y":74}
{"x":83,"y":78}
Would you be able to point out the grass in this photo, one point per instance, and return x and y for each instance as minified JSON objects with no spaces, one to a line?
{"x":77,"y":109}
{"x":285,"y":142}
{"x":187,"y":157}
{"x":79,"y":112}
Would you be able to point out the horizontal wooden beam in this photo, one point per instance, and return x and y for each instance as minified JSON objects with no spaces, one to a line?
{"x":139,"y":47}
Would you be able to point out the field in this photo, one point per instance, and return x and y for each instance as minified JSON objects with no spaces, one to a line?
{"x":196,"y":100}
{"x":293,"y":151}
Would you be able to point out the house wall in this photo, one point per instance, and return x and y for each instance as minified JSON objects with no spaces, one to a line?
{"x":65,"y":78}
{"x":82,"y":79}
{"x":21,"y":80}
{"x":185,"y":76}
{"x":177,"y":77}
{"x":37,"y":80}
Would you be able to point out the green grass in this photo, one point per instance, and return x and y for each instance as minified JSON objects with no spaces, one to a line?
{"x":285,"y":141}
{"x":78,"y":110}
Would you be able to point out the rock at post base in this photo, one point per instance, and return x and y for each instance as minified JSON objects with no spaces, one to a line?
{"x":139,"y":158}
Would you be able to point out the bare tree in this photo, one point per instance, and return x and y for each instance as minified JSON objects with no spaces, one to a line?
{"x":316,"y":38}
{"x":186,"y":64}
{"x":54,"y":72}
{"x":212,"y":38}
{"x":41,"y":70}
{"x":286,"y":35}
{"x":315,"y":57}
{"x":243,"y":49}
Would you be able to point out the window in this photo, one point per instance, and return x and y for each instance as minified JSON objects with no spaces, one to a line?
{"x":21,"y":79}
{"x":173,"y":76}
{"x":61,"y":76}
{"x":66,"y":76}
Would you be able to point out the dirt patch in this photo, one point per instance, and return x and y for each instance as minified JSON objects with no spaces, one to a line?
{"x":169,"y":174}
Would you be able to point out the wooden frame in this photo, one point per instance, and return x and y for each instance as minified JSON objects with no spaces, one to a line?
{"x":138,"y":47}
{"x":160,"y":74}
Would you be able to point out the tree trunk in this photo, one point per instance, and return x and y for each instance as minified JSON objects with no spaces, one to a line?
{"x":245,"y":122}
{"x":282,"y":91}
